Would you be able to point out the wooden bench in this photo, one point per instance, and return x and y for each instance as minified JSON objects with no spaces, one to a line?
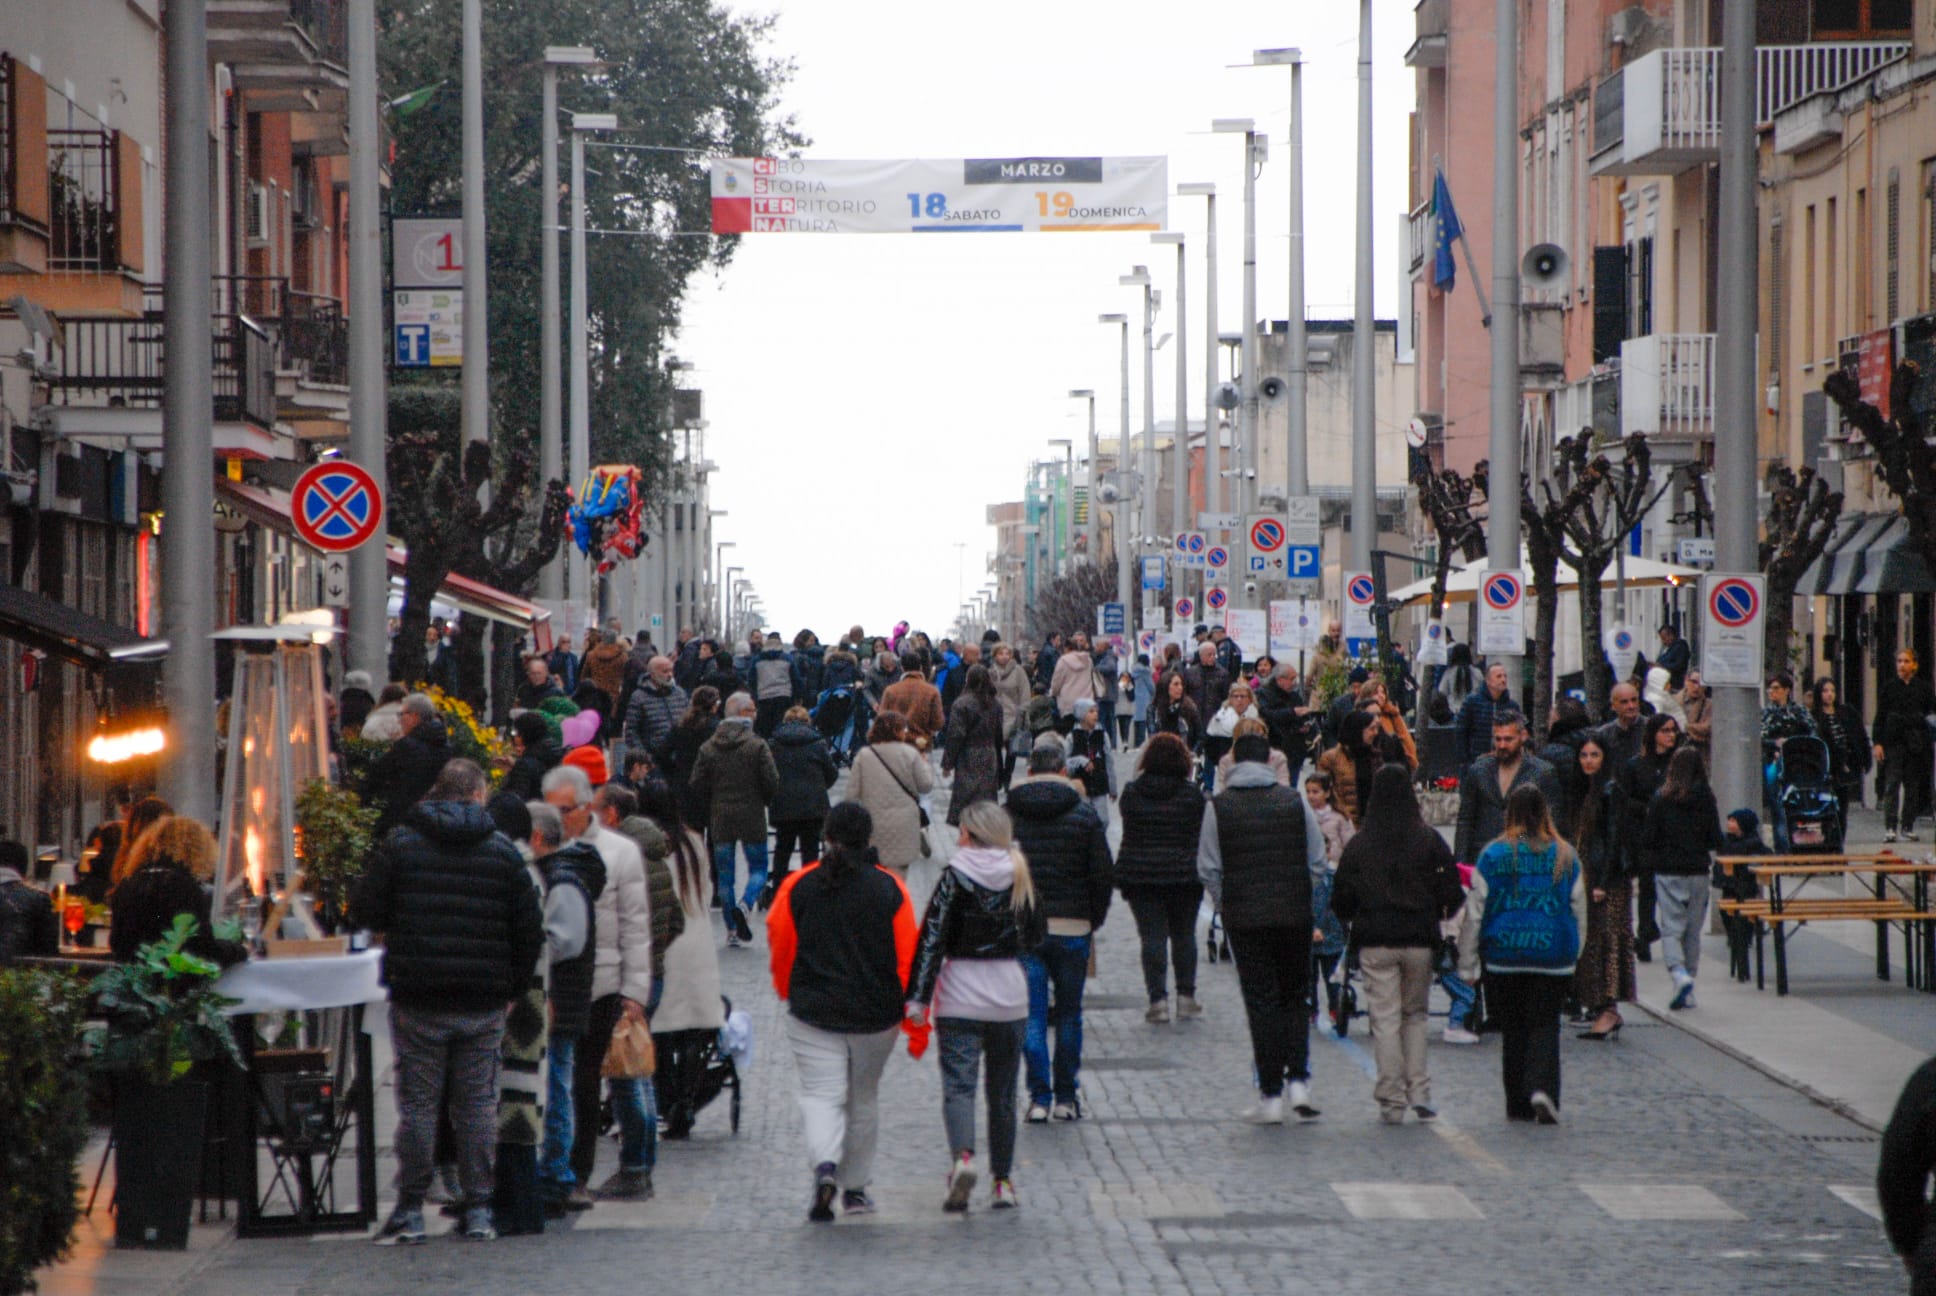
{"x":1884,"y":905}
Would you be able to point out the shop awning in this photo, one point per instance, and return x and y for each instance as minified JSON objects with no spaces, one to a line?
{"x":269,"y":507}
{"x":1893,"y":564}
{"x":88,"y":641}
{"x":1870,"y":553}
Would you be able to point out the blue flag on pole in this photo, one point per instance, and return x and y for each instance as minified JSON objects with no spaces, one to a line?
{"x":1445,"y":271}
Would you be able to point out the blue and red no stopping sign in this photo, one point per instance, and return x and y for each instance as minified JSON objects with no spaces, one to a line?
{"x":1502,"y":591}
{"x":1361,"y":590}
{"x":336,"y":507}
{"x":1267,"y":536}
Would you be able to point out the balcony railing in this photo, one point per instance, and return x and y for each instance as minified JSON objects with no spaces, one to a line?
{"x":117,"y":361}
{"x":326,"y":23}
{"x":1661,"y":114}
{"x":309,"y":331}
{"x":84,"y":204}
{"x":1667,"y":385}
{"x":1429,"y":39}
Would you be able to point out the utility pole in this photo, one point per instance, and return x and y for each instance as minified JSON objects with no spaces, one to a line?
{"x":1122,"y":474}
{"x":1180,"y":443}
{"x":369,"y":642}
{"x":1253,"y":162}
{"x":1212,"y":451}
{"x":1364,"y":340}
{"x":1296,"y":459}
{"x":582,"y":588}
{"x":1139,"y":277}
{"x":1736,"y":751}
{"x":1089,"y":529}
{"x":475,"y":409}
{"x":187,"y":403}
{"x":551,"y":581}
{"x":1502,"y":529}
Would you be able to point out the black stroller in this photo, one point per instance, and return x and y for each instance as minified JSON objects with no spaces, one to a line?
{"x":840,"y":714}
{"x":712,"y":1072}
{"x":1808,"y":818}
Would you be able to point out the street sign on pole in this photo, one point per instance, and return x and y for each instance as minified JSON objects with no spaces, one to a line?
{"x":1219,"y":521}
{"x":1216,"y":598}
{"x":336,"y":580}
{"x":1432,"y":649}
{"x":336,"y":507}
{"x":1112,"y":620}
{"x":1732,"y":607}
{"x":1502,"y":613}
{"x":1360,"y":592}
{"x":1153,"y":572}
{"x":1186,"y":609}
{"x":1266,"y":535}
{"x":427,"y":252}
{"x":1302,"y":520}
{"x":1250,"y":627}
{"x":1305,"y":566}
{"x":1623,"y":648}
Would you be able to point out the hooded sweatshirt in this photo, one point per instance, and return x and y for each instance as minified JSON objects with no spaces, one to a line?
{"x":1249,"y":774}
{"x":992,"y":990}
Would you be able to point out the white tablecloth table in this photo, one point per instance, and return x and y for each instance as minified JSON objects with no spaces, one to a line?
{"x":296,"y":984}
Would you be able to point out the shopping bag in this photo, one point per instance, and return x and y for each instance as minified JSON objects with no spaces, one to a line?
{"x":631,"y":1055}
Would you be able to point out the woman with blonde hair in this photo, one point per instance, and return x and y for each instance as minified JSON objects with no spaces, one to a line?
{"x":1524,"y":921}
{"x":171,"y":867}
{"x":967,"y":979}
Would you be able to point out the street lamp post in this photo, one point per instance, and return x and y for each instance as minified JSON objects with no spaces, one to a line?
{"x":475,"y":390}
{"x":1180,"y":442}
{"x":551,"y":582}
{"x":1122,"y":465}
{"x":1297,"y":470}
{"x":1089,"y":477}
{"x":1139,"y":277}
{"x":1255,"y":147}
{"x":1212,"y":450}
{"x":582,"y":124}
{"x":1364,"y":340}
{"x":369,"y":645}
{"x":716,"y":603}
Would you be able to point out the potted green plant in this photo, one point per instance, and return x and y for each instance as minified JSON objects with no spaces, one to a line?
{"x":43,"y":1121}
{"x":338,"y":831}
{"x":164,"y":1016}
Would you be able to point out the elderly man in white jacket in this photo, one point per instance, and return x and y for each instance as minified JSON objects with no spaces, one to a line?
{"x":621,"y":987}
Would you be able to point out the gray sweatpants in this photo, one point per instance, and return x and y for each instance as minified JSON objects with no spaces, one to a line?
{"x":446,"y":1055}
{"x":1681,"y":903}
{"x":968,"y":1048}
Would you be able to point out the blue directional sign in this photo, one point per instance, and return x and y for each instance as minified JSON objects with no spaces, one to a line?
{"x":413,"y":346}
{"x":1111,"y":619}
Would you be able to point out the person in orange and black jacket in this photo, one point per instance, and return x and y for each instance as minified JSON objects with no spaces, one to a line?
{"x":842,"y":934}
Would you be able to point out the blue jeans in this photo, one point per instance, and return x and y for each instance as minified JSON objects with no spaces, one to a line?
{"x":1463,"y":997}
{"x":723,"y":876}
{"x":554,"y":1161}
{"x":1056,"y":972}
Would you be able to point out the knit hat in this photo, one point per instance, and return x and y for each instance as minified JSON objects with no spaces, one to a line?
{"x":592,"y":761}
{"x":1750,"y":821}
{"x":559,"y":706}
{"x":1358,"y":675}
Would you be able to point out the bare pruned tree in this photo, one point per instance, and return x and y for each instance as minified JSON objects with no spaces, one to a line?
{"x":1543,"y":522}
{"x":1901,"y":446}
{"x":1802,"y":512}
{"x":1068,"y":603}
{"x":1621,"y":494}
{"x":1447,"y":500}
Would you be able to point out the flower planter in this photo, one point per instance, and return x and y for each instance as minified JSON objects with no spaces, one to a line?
{"x":157,"y":1160}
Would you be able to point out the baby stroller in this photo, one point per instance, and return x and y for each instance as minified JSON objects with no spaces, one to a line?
{"x":713,"y":1068}
{"x":1808,"y":819}
{"x":839,"y":715}
{"x":1341,"y":1009}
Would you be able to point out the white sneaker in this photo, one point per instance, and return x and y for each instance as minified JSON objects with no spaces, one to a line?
{"x":1067,"y":1111}
{"x":1458,"y":1035}
{"x":1301,"y":1101}
{"x":961,"y":1182}
{"x":1158,"y":1013}
{"x":1889,"y":836}
{"x":1545,"y":1110}
{"x":1268,"y":1111}
{"x":1187,"y":1008}
{"x":1038,"y":1114}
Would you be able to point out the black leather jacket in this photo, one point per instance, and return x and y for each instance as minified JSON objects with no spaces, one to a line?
{"x":966,"y":920}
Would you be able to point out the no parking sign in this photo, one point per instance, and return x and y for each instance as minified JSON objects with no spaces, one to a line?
{"x":1215,"y":598}
{"x":1732,"y":604}
{"x":1360,"y":592}
{"x":1502,"y":613}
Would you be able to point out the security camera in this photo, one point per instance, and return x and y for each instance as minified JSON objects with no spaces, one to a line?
{"x":1108,"y":492}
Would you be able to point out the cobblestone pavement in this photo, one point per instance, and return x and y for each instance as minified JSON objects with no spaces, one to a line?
{"x":1675,"y":1171}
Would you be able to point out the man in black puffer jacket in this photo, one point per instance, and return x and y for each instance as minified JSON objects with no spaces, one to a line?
{"x":400,"y":777}
{"x":1068,"y":855}
{"x":1255,"y":858}
{"x":462,"y":929}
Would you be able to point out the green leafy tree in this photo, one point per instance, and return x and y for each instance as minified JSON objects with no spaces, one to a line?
{"x":162,"y":1009}
{"x":687,"y":79}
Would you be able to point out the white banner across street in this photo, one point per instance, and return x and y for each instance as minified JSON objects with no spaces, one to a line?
{"x":921,"y":196}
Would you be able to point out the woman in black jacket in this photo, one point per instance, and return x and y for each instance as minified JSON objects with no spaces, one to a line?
{"x":1396,"y":883}
{"x":1682,"y":831}
{"x":1848,"y":746}
{"x":807,"y":770}
{"x":1605,"y":974}
{"x":1172,"y":711}
{"x":842,"y":936}
{"x":682,"y":753}
{"x":967,"y":978}
{"x":1156,"y":870}
{"x":173,"y":863}
{"x":1634,"y":786}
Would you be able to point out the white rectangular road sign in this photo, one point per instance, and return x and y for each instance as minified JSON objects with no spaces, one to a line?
{"x":1502,"y":612}
{"x":919,"y":196}
{"x":1219,"y":521}
{"x":430,"y":321}
{"x":426,"y":252}
{"x":1732,"y":626}
{"x":1153,"y":571}
{"x":1250,"y":627}
{"x":336,"y":580}
{"x":1302,"y":520}
{"x":1265,"y":546}
{"x":1293,"y":626}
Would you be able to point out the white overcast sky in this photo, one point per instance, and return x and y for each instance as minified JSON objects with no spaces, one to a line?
{"x":869,"y":395}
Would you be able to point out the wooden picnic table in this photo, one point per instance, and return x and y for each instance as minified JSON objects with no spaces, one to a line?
{"x":1787,"y":877}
